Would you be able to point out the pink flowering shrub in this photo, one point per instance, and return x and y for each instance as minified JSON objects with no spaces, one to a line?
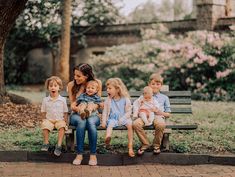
{"x":200,"y":61}
{"x":210,"y":76}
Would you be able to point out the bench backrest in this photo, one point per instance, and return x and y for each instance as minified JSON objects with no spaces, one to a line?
{"x":180,"y":100}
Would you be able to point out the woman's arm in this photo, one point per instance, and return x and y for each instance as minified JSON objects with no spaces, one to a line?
{"x":72,"y":98}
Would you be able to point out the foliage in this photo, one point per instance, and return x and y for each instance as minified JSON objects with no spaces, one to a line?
{"x":39,"y":27}
{"x":215,"y":133}
{"x":200,"y":61}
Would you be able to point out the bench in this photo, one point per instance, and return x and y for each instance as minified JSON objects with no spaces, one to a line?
{"x":180,"y":104}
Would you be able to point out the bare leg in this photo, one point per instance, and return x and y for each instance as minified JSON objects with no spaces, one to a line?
{"x":130,"y":140}
{"x":60,"y":136}
{"x":46,"y":136}
{"x":143,"y":116}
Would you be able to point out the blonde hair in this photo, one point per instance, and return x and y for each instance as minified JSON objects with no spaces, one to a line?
{"x":94,"y":82}
{"x":148,"y":89}
{"x":56,"y":79}
{"x":119,"y":85}
{"x":156,"y":77}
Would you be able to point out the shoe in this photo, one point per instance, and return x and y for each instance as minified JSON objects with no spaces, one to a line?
{"x":156,"y":150}
{"x":57,"y":150}
{"x":45,"y":147}
{"x":140,"y":151}
{"x":78,"y":160}
{"x":93,"y":160}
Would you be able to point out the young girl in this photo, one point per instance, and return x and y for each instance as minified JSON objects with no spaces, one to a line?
{"x":145,"y":106}
{"x":117,"y":111}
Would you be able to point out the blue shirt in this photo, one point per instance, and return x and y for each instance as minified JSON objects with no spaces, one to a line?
{"x":87,"y":98}
{"x":164,"y":102}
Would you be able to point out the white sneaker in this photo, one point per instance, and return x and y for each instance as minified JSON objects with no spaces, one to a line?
{"x":92,"y":161}
{"x":78,"y":160}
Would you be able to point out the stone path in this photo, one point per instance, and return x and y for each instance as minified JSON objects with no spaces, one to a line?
{"x":30,"y":169}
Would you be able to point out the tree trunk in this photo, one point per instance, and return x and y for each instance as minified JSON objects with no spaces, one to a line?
{"x":65,"y":41}
{"x":9,"y":11}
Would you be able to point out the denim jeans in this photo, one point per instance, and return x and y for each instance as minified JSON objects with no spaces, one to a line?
{"x":81,"y":125}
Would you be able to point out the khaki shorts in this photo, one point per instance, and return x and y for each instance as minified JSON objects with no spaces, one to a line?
{"x":51,"y":124}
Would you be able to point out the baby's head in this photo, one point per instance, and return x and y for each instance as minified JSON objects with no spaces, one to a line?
{"x":53,"y":84}
{"x":92,"y":87}
{"x":148,"y":93}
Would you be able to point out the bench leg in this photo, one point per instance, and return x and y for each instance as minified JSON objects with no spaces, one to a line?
{"x":70,"y":141}
{"x":166,"y":142}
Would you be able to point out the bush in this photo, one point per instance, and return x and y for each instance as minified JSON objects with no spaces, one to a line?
{"x":200,"y":61}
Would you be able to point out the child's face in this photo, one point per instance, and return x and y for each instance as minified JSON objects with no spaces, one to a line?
{"x":53,"y":88}
{"x":156,"y":86}
{"x":147,"y":94}
{"x":91,"y":89}
{"x":112,"y":91}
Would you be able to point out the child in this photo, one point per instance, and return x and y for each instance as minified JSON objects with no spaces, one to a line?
{"x":117,"y":111}
{"x":55,"y":113}
{"x":88,"y":102}
{"x":146,"y":105}
{"x":155,"y":82}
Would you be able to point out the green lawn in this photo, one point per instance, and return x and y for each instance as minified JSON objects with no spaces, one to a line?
{"x":216,"y":133}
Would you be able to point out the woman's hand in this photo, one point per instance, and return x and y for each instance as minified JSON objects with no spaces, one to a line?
{"x":75,"y":107}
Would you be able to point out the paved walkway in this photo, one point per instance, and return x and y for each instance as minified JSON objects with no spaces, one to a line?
{"x":26,"y":169}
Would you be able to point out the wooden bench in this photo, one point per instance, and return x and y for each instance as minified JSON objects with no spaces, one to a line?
{"x":180,"y":104}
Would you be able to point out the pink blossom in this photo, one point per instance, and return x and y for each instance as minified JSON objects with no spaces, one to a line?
{"x":198,"y":84}
{"x":212,"y":61}
{"x":197,"y":60}
{"x":222,"y":74}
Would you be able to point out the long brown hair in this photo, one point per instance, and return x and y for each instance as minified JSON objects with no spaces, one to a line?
{"x":86,"y":70}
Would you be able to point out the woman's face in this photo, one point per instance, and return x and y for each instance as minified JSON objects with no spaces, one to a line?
{"x":79,"y":77}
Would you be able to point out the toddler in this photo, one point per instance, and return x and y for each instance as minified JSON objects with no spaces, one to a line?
{"x":88,"y":102}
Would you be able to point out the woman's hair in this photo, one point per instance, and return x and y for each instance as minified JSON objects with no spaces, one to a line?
{"x":86,"y":70}
{"x":56,"y":79}
{"x":119,"y":85}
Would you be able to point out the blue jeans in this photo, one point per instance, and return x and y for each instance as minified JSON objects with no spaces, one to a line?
{"x":81,"y":125}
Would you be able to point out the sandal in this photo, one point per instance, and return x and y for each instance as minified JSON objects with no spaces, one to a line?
{"x":156,"y":150}
{"x":140,"y":151}
{"x":131,"y":152}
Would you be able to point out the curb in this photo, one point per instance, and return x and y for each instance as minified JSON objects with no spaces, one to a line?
{"x":120,"y":159}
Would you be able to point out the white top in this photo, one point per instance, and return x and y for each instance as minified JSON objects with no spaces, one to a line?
{"x":54,"y":109}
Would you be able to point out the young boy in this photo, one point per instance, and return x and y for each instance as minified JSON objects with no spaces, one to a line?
{"x":55,"y":113}
{"x":155,"y":82}
{"x":88,"y":102}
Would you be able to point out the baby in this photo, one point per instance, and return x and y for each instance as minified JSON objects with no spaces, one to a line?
{"x":147,"y":105}
{"x":88,"y":102}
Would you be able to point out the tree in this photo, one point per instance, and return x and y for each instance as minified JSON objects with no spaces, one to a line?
{"x":146,"y":12}
{"x":9,"y":11}
{"x":40,"y":26}
{"x":65,"y":41}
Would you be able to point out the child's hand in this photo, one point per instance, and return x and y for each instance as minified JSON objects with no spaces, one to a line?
{"x":101,"y":105}
{"x":155,"y":110}
{"x":103,"y":125}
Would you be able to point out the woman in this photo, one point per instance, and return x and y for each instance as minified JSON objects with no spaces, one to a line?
{"x":82,"y":74}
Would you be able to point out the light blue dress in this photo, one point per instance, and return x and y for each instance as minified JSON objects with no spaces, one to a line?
{"x":117,"y":113}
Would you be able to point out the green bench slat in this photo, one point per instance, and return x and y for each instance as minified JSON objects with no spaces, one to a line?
{"x":173,"y":127}
{"x":181,"y":110}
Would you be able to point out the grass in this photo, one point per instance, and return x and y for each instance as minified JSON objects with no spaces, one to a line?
{"x":215,"y":133}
